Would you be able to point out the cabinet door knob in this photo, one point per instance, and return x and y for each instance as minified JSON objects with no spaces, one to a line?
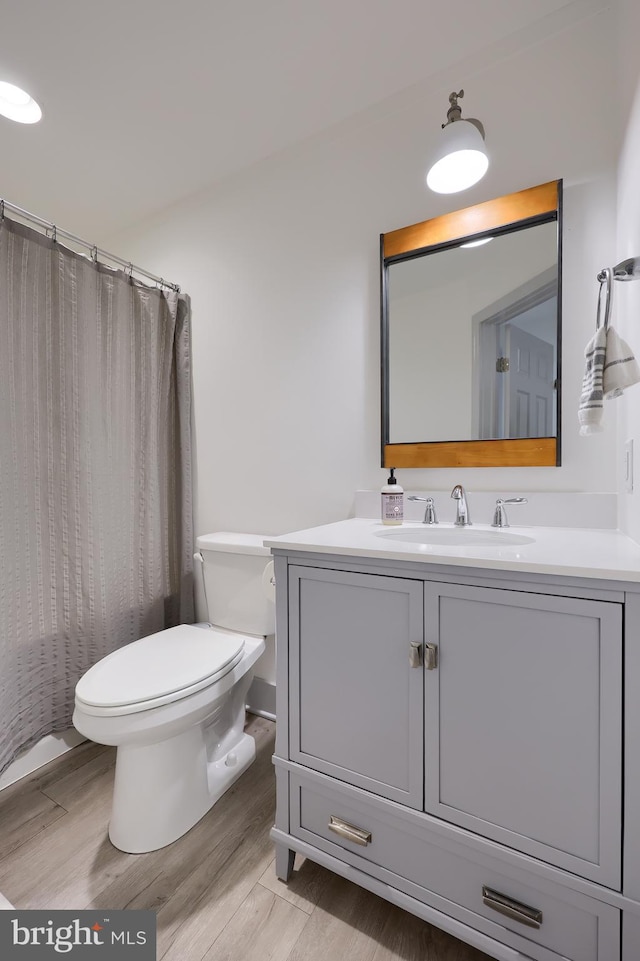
{"x":431,"y":656}
{"x":415,"y":654}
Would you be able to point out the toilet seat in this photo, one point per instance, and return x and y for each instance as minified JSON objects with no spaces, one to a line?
{"x":158,"y":669}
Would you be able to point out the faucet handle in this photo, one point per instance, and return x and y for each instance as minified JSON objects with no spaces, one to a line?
{"x":429,"y":511}
{"x":500,"y":518}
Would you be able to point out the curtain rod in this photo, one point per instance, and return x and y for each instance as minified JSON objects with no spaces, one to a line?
{"x":54,"y":232}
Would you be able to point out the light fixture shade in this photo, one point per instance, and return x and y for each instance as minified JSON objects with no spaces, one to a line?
{"x":460,"y":160}
{"x":16,"y":104}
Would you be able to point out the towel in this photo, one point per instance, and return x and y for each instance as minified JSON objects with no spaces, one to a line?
{"x":610,"y":368}
{"x":590,"y":410}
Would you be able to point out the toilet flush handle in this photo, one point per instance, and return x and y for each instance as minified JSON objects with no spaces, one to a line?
{"x":200,"y":559}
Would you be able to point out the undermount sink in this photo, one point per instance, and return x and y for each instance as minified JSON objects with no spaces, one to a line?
{"x":456,"y":536}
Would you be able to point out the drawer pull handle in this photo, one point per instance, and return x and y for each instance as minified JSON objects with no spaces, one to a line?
{"x":512,"y":909}
{"x":415,"y":654}
{"x":349,"y":831}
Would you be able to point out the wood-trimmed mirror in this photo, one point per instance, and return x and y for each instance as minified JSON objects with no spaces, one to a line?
{"x":471,"y":340}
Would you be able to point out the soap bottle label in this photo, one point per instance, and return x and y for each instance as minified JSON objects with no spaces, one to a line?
{"x":392,"y":508}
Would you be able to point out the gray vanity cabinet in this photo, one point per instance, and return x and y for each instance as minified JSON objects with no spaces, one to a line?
{"x":454,"y":743}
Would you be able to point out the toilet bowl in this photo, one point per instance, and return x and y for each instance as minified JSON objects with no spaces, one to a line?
{"x":173,"y":703}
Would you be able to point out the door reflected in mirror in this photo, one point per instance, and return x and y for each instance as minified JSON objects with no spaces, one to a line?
{"x":471,"y":335}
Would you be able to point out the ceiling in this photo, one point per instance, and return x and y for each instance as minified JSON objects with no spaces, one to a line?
{"x":147,"y":102}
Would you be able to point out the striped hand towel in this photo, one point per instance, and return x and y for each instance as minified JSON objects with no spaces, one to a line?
{"x":610,"y":368}
{"x":590,"y":409}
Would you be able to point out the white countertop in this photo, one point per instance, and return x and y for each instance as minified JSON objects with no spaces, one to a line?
{"x":575,"y":552}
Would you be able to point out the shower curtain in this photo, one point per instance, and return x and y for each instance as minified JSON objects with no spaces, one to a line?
{"x":95,"y":473}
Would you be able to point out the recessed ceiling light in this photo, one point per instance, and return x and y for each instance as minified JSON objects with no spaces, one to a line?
{"x":17,"y":104}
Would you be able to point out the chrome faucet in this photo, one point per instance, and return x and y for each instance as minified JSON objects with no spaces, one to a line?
{"x":462,"y":508}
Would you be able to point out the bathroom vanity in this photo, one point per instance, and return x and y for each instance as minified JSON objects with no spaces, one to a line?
{"x":459,"y":728}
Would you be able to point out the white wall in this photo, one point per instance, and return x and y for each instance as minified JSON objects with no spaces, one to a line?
{"x":626,"y":308}
{"x":430,"y":341}
{"x":282,"y":266}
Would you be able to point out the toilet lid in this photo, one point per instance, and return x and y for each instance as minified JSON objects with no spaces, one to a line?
{"x":158,"y":665}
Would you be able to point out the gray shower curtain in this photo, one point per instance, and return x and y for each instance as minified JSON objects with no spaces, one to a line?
{"x":95,"y":473}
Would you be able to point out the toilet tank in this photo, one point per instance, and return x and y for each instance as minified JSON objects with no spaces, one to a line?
{"x":237,"y":573}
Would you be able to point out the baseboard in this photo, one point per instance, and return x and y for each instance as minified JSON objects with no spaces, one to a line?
{"x":262,"y":698}
{"x":48,"y":749}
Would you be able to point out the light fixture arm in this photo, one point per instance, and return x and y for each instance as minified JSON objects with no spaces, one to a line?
{"x":455,"y":110}
{"x":455,"y":113}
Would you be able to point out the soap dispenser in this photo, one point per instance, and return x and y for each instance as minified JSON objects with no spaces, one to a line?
{"x":392,"y":500}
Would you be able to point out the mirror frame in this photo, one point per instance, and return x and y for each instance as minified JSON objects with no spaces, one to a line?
{"x":526,"y":208}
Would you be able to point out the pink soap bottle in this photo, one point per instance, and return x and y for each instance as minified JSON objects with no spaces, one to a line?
{"x":392,"y":501}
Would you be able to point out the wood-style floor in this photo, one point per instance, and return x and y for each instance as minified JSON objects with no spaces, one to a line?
{"x":215,"y":891}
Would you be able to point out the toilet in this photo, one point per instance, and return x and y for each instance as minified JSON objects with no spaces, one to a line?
{"x":173,"y":703}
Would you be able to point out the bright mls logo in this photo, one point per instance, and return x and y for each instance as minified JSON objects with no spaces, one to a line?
{"x":82,"y":935}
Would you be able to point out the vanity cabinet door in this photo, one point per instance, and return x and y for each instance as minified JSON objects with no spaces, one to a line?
{"x":523,"y":723}
{"x":356,"y":683}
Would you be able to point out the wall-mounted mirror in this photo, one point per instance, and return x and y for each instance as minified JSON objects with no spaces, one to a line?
{"x":471,"y":305}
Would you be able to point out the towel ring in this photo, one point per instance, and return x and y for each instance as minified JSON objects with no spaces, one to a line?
{"x":606,"y":282}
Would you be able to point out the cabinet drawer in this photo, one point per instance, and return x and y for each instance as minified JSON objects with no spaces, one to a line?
{"x":398,"y":847}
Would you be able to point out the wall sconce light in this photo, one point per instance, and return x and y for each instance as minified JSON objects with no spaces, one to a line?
{"x":461,"y":158}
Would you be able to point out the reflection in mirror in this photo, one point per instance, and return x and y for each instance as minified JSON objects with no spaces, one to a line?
{"x":471,"y":335}
{"x":474,"y":329}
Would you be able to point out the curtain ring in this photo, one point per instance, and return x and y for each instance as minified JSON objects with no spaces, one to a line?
{"x":605,"y":276}
{"x":94,"y":254}
{"x":1,"y":210}
{"x":54,"y":233}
